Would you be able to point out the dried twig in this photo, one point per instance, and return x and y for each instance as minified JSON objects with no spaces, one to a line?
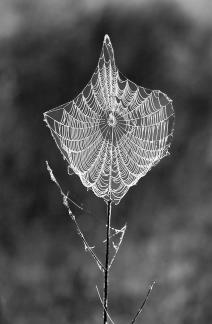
{"x":143,"y":303}
{"x":104,"y":306}
{"x":107,"y":263}
{"x":66,"y":199}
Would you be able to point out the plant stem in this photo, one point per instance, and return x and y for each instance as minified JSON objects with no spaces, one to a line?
{"x":107,"y":255}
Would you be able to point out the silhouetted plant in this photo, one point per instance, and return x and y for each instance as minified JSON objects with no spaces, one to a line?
{"x":111,"y":135}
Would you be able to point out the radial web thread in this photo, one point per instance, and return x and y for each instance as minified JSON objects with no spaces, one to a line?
{"x":114,"y":131}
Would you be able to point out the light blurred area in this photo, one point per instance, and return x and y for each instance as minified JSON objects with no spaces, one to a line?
{"x":15,"y":14}
{"x":49,"y":50}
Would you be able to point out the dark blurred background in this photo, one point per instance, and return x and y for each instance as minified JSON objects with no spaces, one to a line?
{"x":48,"y":51}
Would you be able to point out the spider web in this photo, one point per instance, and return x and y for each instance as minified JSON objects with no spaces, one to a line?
{"x":114,"y":131}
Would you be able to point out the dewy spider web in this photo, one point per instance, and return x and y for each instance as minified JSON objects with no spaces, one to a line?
{"x":114,"y":131}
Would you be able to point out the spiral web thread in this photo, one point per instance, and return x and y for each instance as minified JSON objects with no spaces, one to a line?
{"x":114,"y":131}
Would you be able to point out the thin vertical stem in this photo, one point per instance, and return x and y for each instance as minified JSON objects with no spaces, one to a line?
{"x":107,"y":255}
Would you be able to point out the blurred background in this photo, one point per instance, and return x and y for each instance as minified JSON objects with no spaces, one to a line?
{"x":49,"y":49}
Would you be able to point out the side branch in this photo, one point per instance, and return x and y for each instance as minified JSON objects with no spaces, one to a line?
{"x":66,"y":200}
{"x":143,"y":303}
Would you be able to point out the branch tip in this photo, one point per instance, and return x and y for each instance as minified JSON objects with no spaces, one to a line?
{"x":143,"y":303}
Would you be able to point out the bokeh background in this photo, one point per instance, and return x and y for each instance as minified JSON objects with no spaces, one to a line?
{"x":48,"y":51}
